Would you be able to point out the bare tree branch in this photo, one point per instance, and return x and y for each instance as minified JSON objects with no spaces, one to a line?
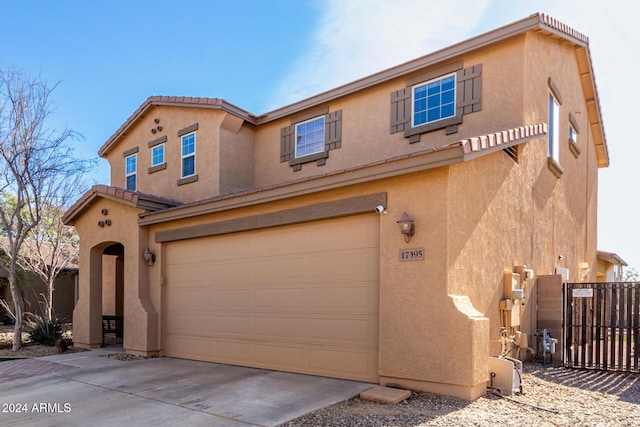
{"x":37,"y":171}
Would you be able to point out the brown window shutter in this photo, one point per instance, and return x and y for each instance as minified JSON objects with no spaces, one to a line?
{"x":287,"y":143}
{"x":333,"y":130}
{"x":400,"y":110}
{"x":469,"y":90}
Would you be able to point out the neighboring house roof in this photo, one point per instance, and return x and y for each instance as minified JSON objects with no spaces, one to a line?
{"x":536,"y":22}
{"x":132,"y":198}
{"x":611,"y":257}
{"x":30,"y":246}
{"x":456,"y":152}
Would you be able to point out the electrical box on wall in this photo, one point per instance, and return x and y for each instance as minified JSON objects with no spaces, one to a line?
{"x":510,"y":312}
{"x":513,"y":286}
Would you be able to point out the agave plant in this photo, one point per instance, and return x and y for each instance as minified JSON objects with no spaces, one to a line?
{"x":43,"y":331}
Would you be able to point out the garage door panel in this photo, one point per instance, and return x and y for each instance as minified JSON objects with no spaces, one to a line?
{"x":188,"y":297}
{"x":344,"y":331}
{"x":301,"y":298}
{"x":190,"y":323}
{"x":353,"y":299}
{"x":342,"y":363}
{"x":292,"y":329}
{"x":284,"y":328}
{"x":283,"y":357}
{"x":344,"y":265}
{"x":229,"y":351}
{"x":230,"y":298}
{"x":230,"y":325}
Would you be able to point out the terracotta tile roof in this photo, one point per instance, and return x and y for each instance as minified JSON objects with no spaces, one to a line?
{"x":562,"y":28}
{"x":133,"y":198}
{"x":503,"y":138}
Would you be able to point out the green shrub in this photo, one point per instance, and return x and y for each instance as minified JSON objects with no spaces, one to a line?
{"x":43,"y":331}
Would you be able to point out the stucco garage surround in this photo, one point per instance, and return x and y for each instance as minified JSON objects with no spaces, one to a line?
{"x":300,"y":298}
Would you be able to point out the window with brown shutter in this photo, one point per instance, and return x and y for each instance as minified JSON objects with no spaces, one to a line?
{"x":468,"y":96}
{"x":332,"y":138}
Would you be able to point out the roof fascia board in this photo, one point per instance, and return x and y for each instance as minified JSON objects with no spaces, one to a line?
{"x":224,"y":106}
{"x":321,"y":211}
{"x":68,"y":219}
{"x":152,"y":102}
{"x":454,"y":51}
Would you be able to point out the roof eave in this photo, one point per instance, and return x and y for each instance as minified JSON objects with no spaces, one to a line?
{"x":173,"y":101}
{"x":126,"y":197}
{"x":533,"y":22}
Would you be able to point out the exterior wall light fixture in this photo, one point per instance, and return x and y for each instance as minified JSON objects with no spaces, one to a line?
{"x":407,"y":227}
{"x":149,"y":256}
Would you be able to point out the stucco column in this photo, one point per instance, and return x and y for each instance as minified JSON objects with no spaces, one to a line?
{"x":87,"y":325}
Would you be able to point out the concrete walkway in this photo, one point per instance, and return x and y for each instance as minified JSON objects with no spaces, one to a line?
{"x":80,"y":389}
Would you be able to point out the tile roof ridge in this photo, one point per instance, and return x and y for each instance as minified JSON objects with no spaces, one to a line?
{"x":563,"y":28}
{"x":503,"y":137}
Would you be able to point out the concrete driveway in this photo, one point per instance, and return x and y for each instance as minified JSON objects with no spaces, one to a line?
{"x":87,"y":388}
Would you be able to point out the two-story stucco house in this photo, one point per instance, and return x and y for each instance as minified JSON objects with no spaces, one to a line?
{"x":273,"y":240}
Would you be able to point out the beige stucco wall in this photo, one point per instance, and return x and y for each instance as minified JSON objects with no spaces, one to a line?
{"x":522,"y":213}
{"x":366,"y":136}
{"x":140,"y":313}
{"x":164,"y":182}
{"x":237,"y":156}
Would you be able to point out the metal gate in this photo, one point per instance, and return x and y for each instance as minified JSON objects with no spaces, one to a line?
{"x":602,"y":326}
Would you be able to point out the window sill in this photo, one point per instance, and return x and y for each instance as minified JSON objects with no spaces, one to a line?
{"x":188,"y":180}
{"x":555,"y":167}
{"x":320,"y":157}
{"x":575,"y":150}
{"x":415,"y":131}
{"x":157,"y":168}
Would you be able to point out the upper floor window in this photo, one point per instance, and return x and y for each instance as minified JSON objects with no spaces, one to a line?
{"x":573,"y":135}
{"x":189,"y":155}
{"x":131,"y":168}
{"x":310,"y":137}
{"x":434,"y":100}
{"x":437,"y":99}
{"x":157,"y":155}
{"x":554,"y":128}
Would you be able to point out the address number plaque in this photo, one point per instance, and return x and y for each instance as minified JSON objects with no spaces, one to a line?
{"x":414,"y":254}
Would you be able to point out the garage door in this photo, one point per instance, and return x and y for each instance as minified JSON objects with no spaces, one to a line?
{"x":301,"y":298}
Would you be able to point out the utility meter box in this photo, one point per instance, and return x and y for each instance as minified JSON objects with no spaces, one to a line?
{"x":505,"y":375}
{"x":511,"y":312}
{"x":513,"y":286}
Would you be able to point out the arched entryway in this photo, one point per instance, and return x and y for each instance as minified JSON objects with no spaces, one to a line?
{"x":113,"y":294}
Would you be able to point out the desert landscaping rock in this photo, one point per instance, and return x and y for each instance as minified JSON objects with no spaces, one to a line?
{"x":385,"y":395}
{"x":553,"y":396}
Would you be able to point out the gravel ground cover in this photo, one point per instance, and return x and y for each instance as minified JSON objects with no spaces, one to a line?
{"x":553,"y":396}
